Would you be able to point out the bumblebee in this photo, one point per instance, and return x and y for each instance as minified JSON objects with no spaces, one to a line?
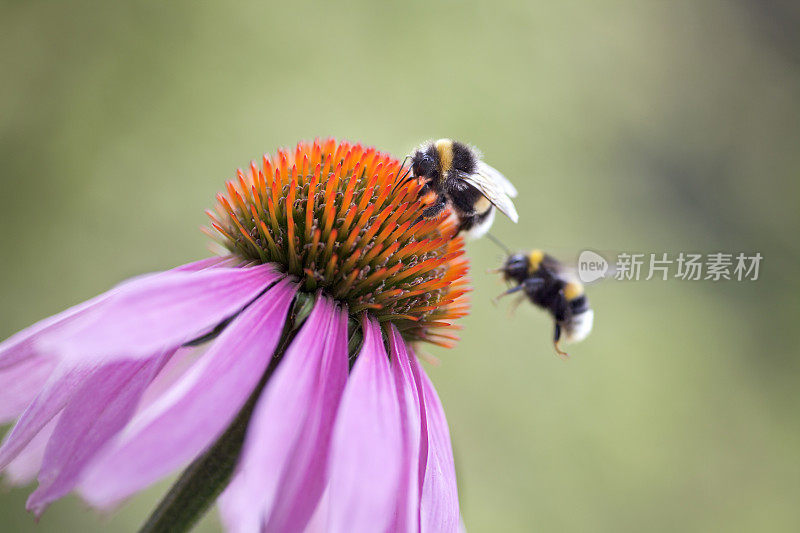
{"x":551,"y":286}
{"x":464,"y":183}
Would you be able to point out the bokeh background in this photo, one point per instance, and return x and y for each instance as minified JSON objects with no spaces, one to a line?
{"x":627,"y":126}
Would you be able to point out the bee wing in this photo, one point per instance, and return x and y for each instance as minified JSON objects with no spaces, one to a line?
{"x":571,"y":272}
{"x":495,"y":175}
{"x":567,"y":273}
{"x":494,"y":192}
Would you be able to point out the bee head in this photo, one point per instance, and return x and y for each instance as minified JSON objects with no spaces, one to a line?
{"x":516,"y":268}
{"x":424,"y":164}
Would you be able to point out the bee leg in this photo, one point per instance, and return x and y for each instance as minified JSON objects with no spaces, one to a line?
{"x":435,"y":208}
{"x":512,"y":290}
{"x":556,"y":339}
{"x":515,"y":304}
{"x":531,"y":284}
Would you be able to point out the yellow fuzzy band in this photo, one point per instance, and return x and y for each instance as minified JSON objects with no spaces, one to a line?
{"x":445,"y":149}
{"x":535,"y":258}
{"x":572,"y":290}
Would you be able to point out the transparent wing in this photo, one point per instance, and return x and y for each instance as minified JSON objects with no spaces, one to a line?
{"x":495,"y":175}
{"x":494,"y":192}
{"x":572,"y":272}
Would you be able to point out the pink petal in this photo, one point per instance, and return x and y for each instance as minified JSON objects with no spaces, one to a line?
{"x":45,"y":396}
{"x":173,"y":370}
{"x":319,"y":523}
{"x":23,"y":469}
{"x":102,"y":407}
{"x":439,"y":505}
{"x":20,"y":346}
{"x":367,"y":450}
{"x":282,"y":471}
{"x":55,"y":394}
{"x":157,"y":312}
{"x":20,"y":383}
{"x":407,"y":516}
{"x":178,"y":426}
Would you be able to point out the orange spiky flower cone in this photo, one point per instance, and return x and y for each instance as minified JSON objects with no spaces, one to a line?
{"x":328,"y":214}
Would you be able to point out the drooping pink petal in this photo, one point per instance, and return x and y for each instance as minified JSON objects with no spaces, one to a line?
{"x":173,"y":370}
{"x":157,"y":312}
{"x":439,"y":509}
{"x":282,"y":471}
{"x":319,"y":523}
{"x":25,"y":466}
{"x":179,"y":425}
{"x":407,"y":517}
{"x":306,"y":475}
{"x":367,"y":448}
{"x":59,"y":389}
{"x":20,"y":383}
{"x":20,"y":346}
{"x":97,"y":411}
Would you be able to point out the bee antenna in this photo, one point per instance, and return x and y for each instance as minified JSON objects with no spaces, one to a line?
{"x":495,"y":240}
{"x":402,"y":179}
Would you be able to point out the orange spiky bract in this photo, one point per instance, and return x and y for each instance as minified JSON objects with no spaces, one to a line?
{"x":327,"y":214}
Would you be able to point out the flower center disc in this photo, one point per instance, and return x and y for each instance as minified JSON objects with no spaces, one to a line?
{"x":326,"y":213}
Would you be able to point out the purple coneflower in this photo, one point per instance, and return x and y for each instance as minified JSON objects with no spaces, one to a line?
{"x":281,"y":377}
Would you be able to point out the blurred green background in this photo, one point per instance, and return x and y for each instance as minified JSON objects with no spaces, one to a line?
{"x":627,"y":126}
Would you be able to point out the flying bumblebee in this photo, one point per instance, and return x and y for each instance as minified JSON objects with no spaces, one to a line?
{"x":551,"y":286}
{"x":462,"y":182}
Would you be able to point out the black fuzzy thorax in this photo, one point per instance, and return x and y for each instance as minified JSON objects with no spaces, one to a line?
{"x":464,"y":160}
